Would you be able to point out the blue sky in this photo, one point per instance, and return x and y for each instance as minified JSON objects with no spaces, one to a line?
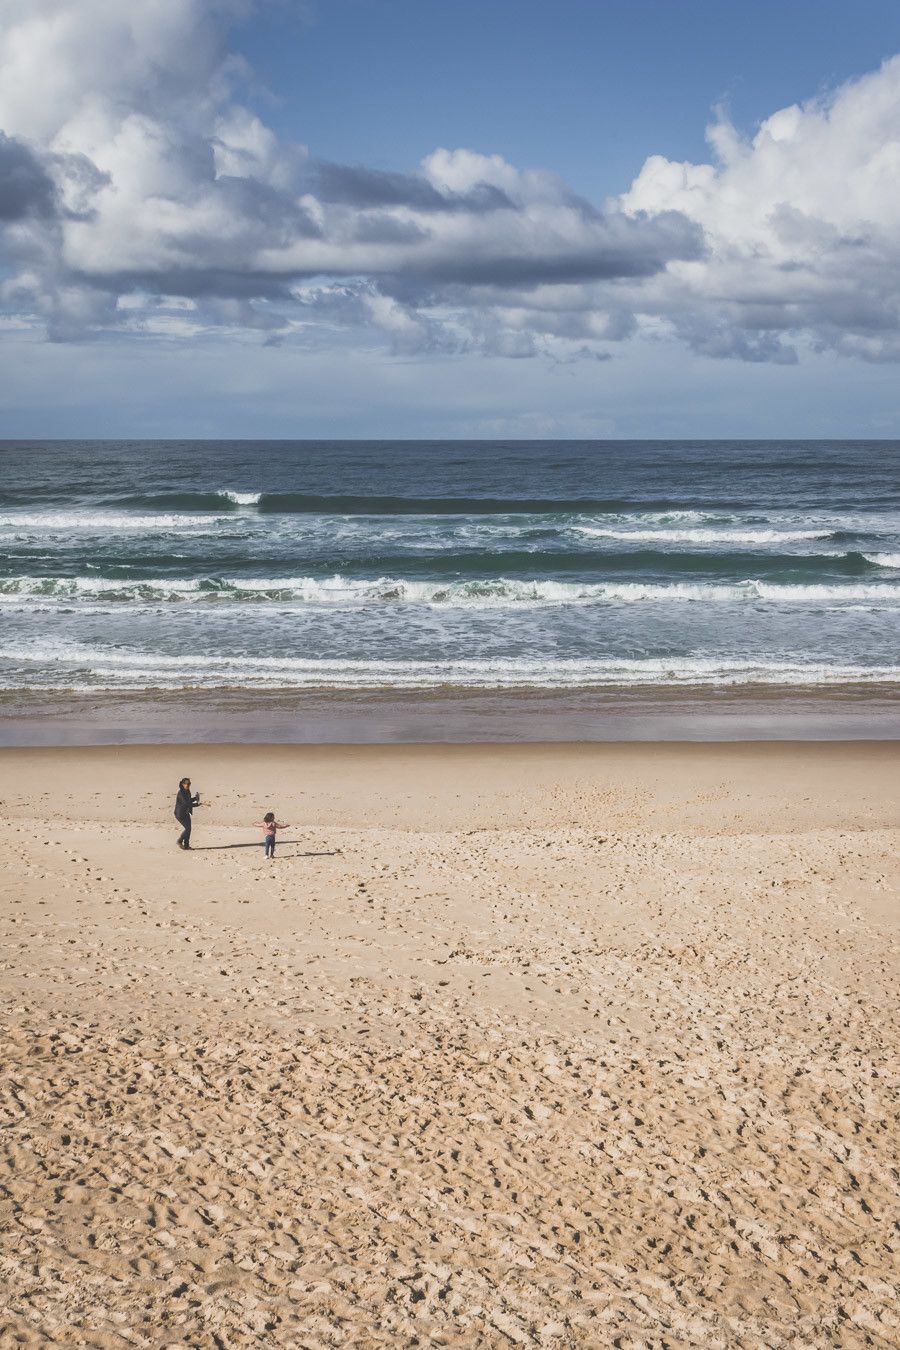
{"x":425,"y":218}
{"x":586,"y":87}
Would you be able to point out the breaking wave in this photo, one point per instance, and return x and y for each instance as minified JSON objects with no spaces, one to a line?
{"x":242,"y":498}
{"x":476,"y":592}
{"x":92,"y":669}
{"x":98,"y":522}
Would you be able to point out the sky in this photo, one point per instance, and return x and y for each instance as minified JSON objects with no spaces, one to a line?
{"x":449,"y":218}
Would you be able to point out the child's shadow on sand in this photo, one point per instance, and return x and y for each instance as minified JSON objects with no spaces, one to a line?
{"x":282,"y":843}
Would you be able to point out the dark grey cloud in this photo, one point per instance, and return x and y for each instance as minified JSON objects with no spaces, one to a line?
{"x":276,"y":214}
{"x":26,"y":188}
{"x":728,"y":341}
{"x":357,"y":186}
{"x":377,"y":227}
{"x":623,"y":249}
{"x":192,"y":282}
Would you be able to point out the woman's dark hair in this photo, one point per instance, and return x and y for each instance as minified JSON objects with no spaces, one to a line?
{"x":270,"y":815}
{"x":184,"y":782}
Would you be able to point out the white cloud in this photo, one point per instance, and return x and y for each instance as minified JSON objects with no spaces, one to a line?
{"x":802,"y":224}
{"x":166,"y":185}
{"x":143,"y":182}
{"x":70,"y":71}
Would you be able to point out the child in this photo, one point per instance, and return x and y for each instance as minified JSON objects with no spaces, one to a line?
{"x":269,"y":825}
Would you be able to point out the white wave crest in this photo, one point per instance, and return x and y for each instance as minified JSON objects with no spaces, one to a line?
{"x":100,"y":669}
{"x":877,"y":593}
{"x":241,"y":498}
{"x":98,"y":522}
{"x":72,"y":588}
{"x":709,"y":535}
{"x":475,"y":593}
{"x":883,"y":559}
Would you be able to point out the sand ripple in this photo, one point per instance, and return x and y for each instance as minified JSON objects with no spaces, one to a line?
{"x":545,"y":1086}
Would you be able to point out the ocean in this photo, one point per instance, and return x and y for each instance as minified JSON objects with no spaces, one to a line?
{"x":448,"y":566}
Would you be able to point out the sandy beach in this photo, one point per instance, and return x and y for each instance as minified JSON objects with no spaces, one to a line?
{"x":572,"y":1045}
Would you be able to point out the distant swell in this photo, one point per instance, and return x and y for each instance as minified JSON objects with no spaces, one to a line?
{"x":225,"y":500}
{"x":313,"y":503}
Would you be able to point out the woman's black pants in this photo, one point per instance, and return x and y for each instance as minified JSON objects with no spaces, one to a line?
{"x":184,"y":839}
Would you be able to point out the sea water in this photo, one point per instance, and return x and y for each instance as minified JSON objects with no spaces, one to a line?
{"x":448,"y":565}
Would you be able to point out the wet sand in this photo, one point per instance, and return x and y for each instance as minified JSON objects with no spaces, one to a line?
{"x":455,"y":716}
{"x":572,"y":1045}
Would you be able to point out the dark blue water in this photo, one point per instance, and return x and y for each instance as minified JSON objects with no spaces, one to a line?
{"x":146,"y":565}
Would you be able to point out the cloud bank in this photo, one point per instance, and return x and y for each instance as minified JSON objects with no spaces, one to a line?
{"x":139,"y":195}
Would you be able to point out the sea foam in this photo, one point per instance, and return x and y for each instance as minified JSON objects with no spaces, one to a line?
{"x":704,"y":535}
{"x":485,"y":592}
{"x":139,"y":670}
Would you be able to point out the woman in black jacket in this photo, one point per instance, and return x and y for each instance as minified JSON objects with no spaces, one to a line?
{"x":184,"y":806}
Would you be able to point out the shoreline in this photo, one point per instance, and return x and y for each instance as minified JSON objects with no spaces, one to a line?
{"x":457,"y":716}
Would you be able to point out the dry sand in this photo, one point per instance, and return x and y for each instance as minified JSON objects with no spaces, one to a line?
{"x":554,"y":1046}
